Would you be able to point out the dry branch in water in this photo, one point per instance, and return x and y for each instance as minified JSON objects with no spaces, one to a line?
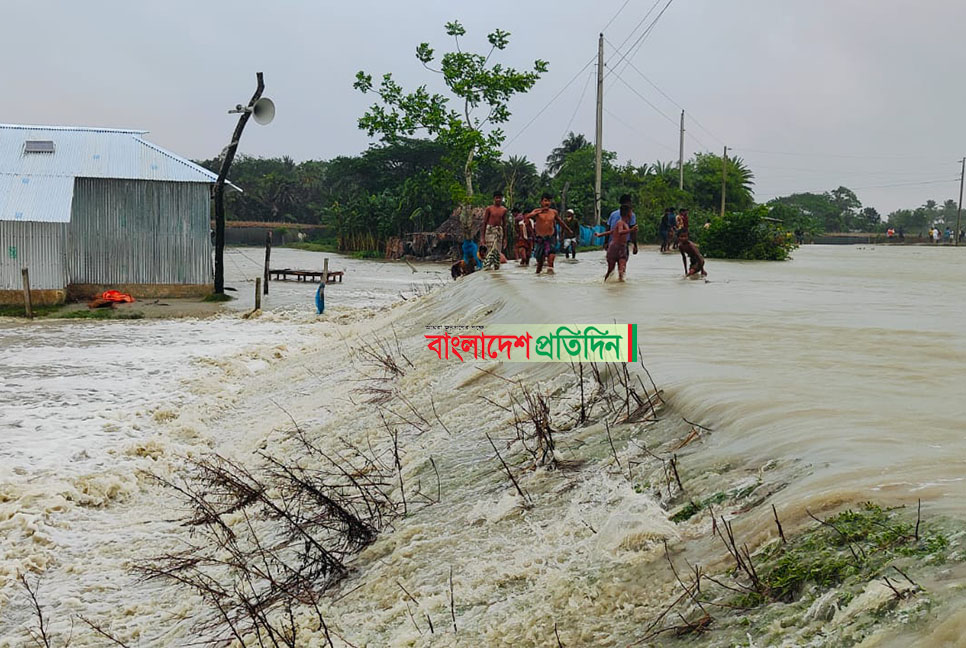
{"x":39,"y":635}
{"x":276,"y":538}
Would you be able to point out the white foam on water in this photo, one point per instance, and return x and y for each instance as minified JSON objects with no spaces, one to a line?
{"x":850,"y":364}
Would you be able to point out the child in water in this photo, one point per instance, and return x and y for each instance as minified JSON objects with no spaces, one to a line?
{"x":691,"y":250}
{"x":617,"y":249}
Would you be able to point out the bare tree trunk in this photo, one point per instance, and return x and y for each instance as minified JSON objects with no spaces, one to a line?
{"x":219,"y":188}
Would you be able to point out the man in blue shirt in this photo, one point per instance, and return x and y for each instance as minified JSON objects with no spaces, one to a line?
{"x":616,"y":216}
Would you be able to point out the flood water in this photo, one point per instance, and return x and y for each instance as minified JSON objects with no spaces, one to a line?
{"x":846,"y":362}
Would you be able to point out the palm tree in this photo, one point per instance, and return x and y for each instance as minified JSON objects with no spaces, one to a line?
{"x":741,"y":171}
{"x":571,"y":143}
{"x":665,"y":170}
{"x":516,"y":170}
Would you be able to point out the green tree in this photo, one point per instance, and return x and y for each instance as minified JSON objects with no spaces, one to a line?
{"x":949,"y":210}
{"x":474,"y":81}
{"x":795,"y":218}
{"x":744,"y":235}
{"x":702,"y":179}
{"x":577,"y":173}
{"x":847,"y":204}
{"x":570,"y":144}
{"x":911,"y":220}
{"x":520,"y":180}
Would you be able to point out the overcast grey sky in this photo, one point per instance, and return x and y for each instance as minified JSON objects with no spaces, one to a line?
{"x":811,"y":93}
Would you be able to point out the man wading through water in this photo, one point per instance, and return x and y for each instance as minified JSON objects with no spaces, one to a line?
{"x":524,"y":237}
{"x":616,"y":216}
{"x":570,"y":244}
{"x":544,"y":232}
{"x":493,"y":234}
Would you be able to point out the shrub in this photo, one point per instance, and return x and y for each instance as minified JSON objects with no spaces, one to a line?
{"x":744,"y":235}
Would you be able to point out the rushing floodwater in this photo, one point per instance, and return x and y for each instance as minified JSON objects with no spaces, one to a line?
{"x":848,"y":360}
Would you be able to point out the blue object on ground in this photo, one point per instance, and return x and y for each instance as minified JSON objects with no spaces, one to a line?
{"x":471,"y":254}
{"x":320,"y":298}
{"x":587,"y":235}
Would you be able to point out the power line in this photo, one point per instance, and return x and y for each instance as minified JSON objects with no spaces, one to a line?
{"x":640,"y":40}
{"x":549,"y":103}
{"x":626,"y":2}
{"x":579,"y":101}
{"x":832,"y":155}
{"x":645,"y":99}
{"x":647,"y":137}
{"x":633,"y":31}
{"x":878,"y":186}
{"x":687,"y":113}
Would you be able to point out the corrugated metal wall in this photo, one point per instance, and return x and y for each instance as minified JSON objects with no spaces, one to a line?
{"x":39,"y":247}
{"x":136,"y":231}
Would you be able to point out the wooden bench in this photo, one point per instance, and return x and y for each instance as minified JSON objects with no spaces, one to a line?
{"x":305,"y":275}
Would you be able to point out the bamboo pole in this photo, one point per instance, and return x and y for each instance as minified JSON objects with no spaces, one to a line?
{"x":268,"y":255}
{"x":28,"y":307}
{"x":258,"y":293}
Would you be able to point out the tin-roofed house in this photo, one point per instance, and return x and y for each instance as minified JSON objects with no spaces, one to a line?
{"x":92,"y":209}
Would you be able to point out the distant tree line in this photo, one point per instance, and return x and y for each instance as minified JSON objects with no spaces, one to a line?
{"x":841,"y":211}
{"x":404,"y":187}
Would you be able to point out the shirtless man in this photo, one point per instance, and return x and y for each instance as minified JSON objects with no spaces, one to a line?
{"x":617,"y":247}
{"x":493,"y":234}
{"x":689,"y":249}
{"x":524,"y":237}
{"x":544,"y":221}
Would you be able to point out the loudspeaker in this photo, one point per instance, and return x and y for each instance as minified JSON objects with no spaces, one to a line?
{"x":263,"y":111}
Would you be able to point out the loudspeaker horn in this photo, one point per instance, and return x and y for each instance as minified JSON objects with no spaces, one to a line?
{"x":263,"y":111}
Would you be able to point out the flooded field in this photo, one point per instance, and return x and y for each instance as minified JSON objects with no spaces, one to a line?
{"x":833,"y":379}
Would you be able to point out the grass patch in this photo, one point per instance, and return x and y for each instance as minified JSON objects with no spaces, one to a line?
{"x":366,"y":254}
{"x":692,"y":508}
{"x":315,"y":246}
{"x":102,"y":314}
{"x":218,"y":297}
{"x":18,"y":311}
{"x":859,"y":543}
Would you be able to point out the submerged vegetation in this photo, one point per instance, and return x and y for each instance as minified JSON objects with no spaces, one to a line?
{"x":749,"y":235}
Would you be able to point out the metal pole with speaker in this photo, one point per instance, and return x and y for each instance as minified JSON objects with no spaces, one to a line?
{"x":263,"y":110}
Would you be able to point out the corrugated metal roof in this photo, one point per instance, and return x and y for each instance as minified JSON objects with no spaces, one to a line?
{"x":46,"y":199}
{"x":94,"y":153}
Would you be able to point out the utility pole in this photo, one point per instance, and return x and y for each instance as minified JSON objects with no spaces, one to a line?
{"x":681,"y":156}
{"x":959,"y":212}
{"x":600,"y":127}
{"x":724,"y":177}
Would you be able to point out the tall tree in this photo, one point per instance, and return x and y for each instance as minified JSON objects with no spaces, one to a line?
{"x":571,"y":144}
{"x":869,"y":219}
{"x":702,"y":179}
{"x":519,"y":178}
{"x":474,"y":81}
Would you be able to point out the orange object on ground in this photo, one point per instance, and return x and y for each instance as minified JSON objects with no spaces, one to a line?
{"x":115,"y":296}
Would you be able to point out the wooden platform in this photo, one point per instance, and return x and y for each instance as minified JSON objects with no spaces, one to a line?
{"x":305,"y":275}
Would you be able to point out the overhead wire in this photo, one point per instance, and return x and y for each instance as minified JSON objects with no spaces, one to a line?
{"x":833,"y":155}
{"x":643,"y":37}
{"x":550,"y":103}
{"x":647,"y":137}
{"x":614,"y":17}
{"x":633,"y":31}
{"x":574,"y":78}
{"x":577,"y":107}
{"x":645,"y":99}
{"x":775,"y":192}
{"x":688,"y":115}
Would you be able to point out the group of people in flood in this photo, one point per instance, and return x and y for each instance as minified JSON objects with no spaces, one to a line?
{"x":936,"y":235}
{"x":542,"y":233}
